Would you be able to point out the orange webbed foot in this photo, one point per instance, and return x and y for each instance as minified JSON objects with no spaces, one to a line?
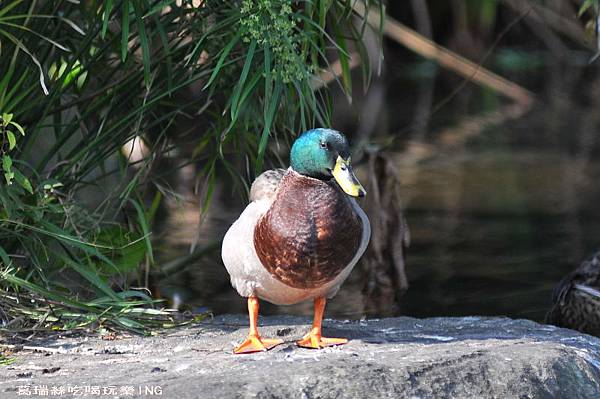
{"x":313,"y":339}
{"x":255,"y":343}
{"x":316,"y":341}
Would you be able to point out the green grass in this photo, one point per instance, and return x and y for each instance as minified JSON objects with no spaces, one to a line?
{"x":5,"y":361}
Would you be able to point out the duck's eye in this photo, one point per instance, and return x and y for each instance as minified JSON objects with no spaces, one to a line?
{"x":323,"y":145}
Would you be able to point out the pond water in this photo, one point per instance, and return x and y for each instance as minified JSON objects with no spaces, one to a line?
{"x":494,"y":232}
{"x":500,"y":207}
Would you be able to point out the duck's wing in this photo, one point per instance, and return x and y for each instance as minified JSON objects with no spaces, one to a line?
{"x":237,"y":252}
{"x":265,"y":186}
{"x":585,"y":279}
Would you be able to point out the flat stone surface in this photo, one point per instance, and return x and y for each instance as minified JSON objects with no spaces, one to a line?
{"x":388,"y":358}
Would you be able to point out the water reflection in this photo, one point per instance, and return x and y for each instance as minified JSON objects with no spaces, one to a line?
{"x":494,"y":232}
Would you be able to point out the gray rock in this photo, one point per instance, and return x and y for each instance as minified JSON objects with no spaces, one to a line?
{"x":389,"y":358}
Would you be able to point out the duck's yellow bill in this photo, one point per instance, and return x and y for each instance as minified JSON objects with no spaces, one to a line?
{"x":344,"y":176}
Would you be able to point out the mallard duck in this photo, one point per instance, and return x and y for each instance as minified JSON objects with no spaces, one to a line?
{"x":576,"y":301}
{"x":300,"y":235}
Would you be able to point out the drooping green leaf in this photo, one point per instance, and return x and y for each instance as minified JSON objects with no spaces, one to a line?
{"x":268,"y":122}
{"x":19,"y":128}
{"x":4,"y":257}
{"x":137,"y":8}
{"x":7,"y":7}
{"x":12,"y":141}
{"x":23,"y":181}
{"x":106,"y":16}
{"x":33,"y":58}
{"x":235,"y":100}
{"x":224,"y":53}
{"x":81,"y":80}
{"x":145,"y":228}
{"x":88,"y":272}
{"x":344,"y":60}
{"x":54,"y":295}
{"x":124,"y":30}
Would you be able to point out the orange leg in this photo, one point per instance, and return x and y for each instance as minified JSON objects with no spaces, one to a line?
{"x":254,"y":342}
{"x":314,"y":339}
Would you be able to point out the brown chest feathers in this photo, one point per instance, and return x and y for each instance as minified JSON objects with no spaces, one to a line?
{"x":310,"y":233}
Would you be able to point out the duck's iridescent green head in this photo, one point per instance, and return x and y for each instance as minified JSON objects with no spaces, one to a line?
{"x":323,"y":154}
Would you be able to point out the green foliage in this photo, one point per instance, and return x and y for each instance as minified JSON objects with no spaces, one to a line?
{"x":61,"y":73}
{"x":82,"y":79}
{"x":272,"y":25}
{"x":589,"y":4}
{"x":5,"y":361}
{"x":592,"y":25}
{"x":8,"y":142}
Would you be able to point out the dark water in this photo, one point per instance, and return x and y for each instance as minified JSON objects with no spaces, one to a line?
{"x":500,"y":207}
{"x":493,"y":233}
